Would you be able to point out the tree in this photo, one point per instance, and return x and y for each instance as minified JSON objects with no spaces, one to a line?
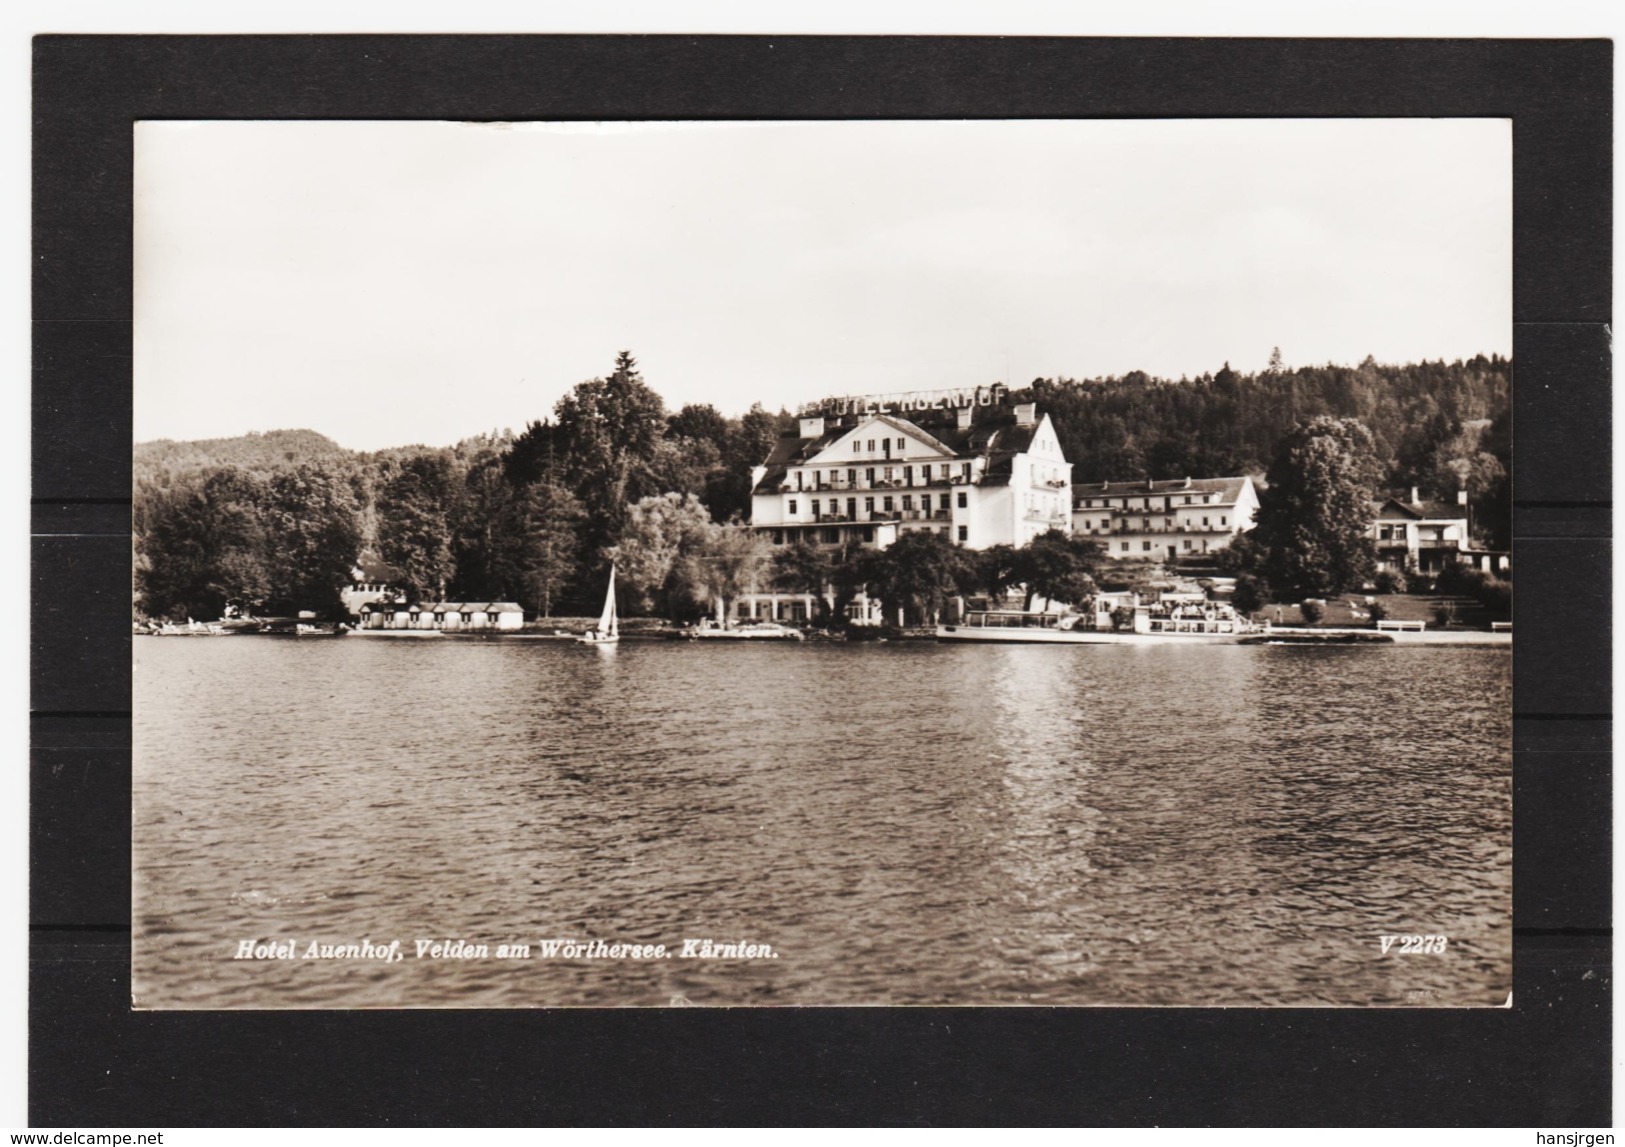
{"x":806,"y":568}
{"x":1314,"y":515}
{"x":204,"y":544}
{"x":700,"y":423}
{"x":607,"y":431}
{"x":313,"y":524}
{"x":1244,"y":554}
{"x":546,"y":516}
{"x":684,"y":466}
{"x":482,"y":528}
{"x":999,"y":569}
{"x":745,"y":446}
{"x":414,"y":533}
{"x":918,"y":572}
{"x":1058,"y":567}
{"x":1252,"y":592}
{"x":724,"y":562}
{"x":659,"y":532}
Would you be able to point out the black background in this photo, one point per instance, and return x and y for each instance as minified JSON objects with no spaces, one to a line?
{"x":1544,"y":1062}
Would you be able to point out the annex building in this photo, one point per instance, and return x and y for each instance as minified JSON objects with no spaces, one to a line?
{"x":1424,"y":536}
{"x":1164,"y":520}
{"x":964,"y":463}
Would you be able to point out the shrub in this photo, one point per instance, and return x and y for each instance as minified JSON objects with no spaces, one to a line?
{"x":1496,"y":598}
{"x":1390,"y":581}
{"x":1379,"y":611}
{"x":1312,"y":611}
{"x":1444,"y":614}
{"x":1251,"y":593}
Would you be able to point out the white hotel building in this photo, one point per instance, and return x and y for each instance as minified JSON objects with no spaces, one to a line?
{"x":1164,"y":520}
{"x":963,"y":464}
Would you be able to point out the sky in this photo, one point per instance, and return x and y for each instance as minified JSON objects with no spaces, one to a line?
{"x":388,"y":283}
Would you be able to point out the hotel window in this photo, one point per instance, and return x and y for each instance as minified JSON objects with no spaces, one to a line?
{"x":1187,"y":543}
{"x":831,"y":535}
{"x":944,"y":471}
{"x":885,"y":503}
{"x":901,"y":443}
{"x":962,"y":500}
{"x":852,"y":508}
{"x":908,"y":475}
{"x":857,"y":447}
{"x":942,"y":502}
{"x":887,"y":473}
{"x":1146,"y":545}
{"x":1204,"y":519}
{"x":851,"y":477}
{"x":815,"y":507}
{"x":871,"y":445}
{"x":1145,"y":523}
{"x":964,"y":469}
{"x":868,"y":533}
{"x":1221,"y":521}
{"x":868,"y":505}
{"x":792,"y":505}
{"x":1187,"y":499}
{"x":908,"y":501}
{"x":964,"y":533}
{"x":869,"y":475}
{"x":1125,"y":547}
{"x":778,"y":537}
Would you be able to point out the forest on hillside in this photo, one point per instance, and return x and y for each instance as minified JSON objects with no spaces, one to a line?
{"x":275,"y":520}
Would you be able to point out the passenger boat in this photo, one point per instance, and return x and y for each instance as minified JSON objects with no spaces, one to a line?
{"x":750,"y":631}
{"x":190,"y":629}
{"x":608,"y":631}
{"x":1214,"y":625}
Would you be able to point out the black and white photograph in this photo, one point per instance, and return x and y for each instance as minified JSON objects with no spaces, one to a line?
{"x":822,"y":563}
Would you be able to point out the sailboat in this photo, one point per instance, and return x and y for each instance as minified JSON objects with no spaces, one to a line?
{"x":609,"y":629}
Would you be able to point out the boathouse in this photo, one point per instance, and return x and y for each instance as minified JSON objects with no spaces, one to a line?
{"x":445,"y":615}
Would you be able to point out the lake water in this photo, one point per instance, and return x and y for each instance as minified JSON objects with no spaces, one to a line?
{"x":901,"y":823}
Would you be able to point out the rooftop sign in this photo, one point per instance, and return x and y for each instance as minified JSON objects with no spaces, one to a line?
{"x":907,"y":401}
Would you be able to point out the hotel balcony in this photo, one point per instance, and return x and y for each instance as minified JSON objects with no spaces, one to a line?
{"x":878,"y":484}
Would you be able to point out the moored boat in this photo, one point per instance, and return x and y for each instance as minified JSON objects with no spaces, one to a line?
{"x":1213,"y":623}
{"x":750,"y":631}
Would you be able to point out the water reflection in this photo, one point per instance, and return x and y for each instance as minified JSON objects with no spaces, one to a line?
{"x":905,"y":823}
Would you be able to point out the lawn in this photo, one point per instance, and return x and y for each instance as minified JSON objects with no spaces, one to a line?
{"x":1351,"y":610}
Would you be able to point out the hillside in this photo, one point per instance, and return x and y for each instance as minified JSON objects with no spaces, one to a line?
{"x":264,"y":453}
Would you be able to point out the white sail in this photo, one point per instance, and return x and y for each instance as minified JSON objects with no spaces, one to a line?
{"x":607,"y":626}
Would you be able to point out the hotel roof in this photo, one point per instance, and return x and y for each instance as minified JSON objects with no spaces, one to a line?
{"x":992,"y":434}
